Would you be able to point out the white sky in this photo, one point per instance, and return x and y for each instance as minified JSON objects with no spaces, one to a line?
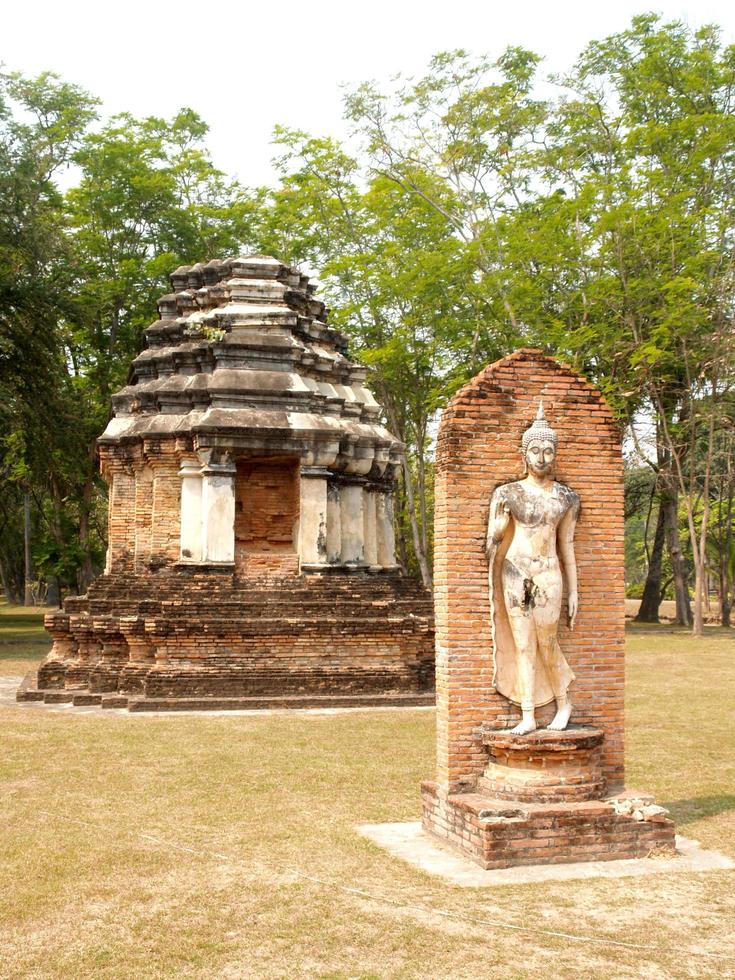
{"x":246,"y":66}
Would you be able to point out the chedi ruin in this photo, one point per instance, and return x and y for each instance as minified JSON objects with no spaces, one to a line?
{"x":251,"y":546}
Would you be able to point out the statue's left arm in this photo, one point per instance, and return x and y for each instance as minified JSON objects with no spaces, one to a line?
{"x":567,"y":526}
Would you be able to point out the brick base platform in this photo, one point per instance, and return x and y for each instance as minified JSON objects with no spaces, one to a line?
{"x":501,"y":834}
{"x":542,"y":800}
{"x":30,"y":691}
{"x":191,"y":639}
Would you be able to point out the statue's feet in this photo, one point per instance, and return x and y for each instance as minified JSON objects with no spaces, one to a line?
{"x":561,"y":718}
{"x":524,"y":726}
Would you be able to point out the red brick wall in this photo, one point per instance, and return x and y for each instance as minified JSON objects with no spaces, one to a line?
{"x":143,"y":515}
{"x":265,"y":564}
{"x":120,"y":526}
{"x":166,"y":521}
{"x":266,"y":512}
{"x":478,"y":448}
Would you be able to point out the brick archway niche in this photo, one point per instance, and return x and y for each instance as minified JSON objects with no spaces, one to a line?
{"x":267,"y":515}
{"x":478,"y":449}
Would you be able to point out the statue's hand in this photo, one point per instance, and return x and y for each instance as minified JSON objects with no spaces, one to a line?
{"x":572,"y":605}
{"x":500,"y":519}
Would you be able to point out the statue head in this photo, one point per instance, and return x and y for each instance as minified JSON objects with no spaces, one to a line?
{"x":538,"y":444}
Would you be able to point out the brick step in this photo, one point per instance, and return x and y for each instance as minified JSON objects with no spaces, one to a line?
{"x":370,"y":675}
{"x":293,"y":701}
{"x":233,"y":599}
{"x":245,"y":613}
{"x":292,"y":625}
{"x":297,"y":586}
{"x":279,"y":604}
{"x":258,"y":671}
{"x":333,"y":628}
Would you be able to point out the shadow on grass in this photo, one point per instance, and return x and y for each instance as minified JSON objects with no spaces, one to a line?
{"x":25,"y":650}
{"x":710,"y":629}
{"x":688,"y":811}
{"x":21,"y":628}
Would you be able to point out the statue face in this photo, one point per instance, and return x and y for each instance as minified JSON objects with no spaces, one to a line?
{"x":540,"y":455}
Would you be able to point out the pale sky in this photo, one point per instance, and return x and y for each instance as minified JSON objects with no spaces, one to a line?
{"x":246,"y":66}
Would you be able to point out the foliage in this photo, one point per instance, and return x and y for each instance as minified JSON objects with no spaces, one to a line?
{"x":466,"y":216}
{"x":79,"y":274}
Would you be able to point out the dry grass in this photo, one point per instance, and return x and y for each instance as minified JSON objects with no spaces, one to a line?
{"x":191,"y":846}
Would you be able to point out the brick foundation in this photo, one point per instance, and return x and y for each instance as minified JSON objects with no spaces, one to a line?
{"x":501,"y":834}
{"x":184,"y":634}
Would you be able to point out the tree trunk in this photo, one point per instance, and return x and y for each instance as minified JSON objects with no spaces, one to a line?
{"x":420,"y":553}
{"x":10,"y":592}
{"x":53,"y":592}
{"x":648,"y":611}
{"x":699,"y":581}
{"x":422,"y":499}
{"x":400,"y":529}
{"x":670,"y":502}
{"x":725,"y":605}
{"x":725,"y":560}
{"x":27,"y":563}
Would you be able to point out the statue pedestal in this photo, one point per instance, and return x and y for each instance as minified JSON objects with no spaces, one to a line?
{"x":541,"y":800}
{"x":544,"y":766}
{"x":495,"y":833}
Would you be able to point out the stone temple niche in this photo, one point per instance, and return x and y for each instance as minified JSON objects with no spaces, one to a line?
{"x":251,"y":543}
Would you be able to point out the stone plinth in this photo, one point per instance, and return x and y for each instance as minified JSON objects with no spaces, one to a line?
{"x":501,"y":834}
{"x":213,"y":640}
{"x":544,"y":766}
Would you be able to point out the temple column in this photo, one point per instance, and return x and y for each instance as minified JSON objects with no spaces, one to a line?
{"x":218,"y":511}
{"x":313,"y":517}
{"x":352,"y":523}
{"x":120,"y":522}
{"x":191,"y":511}
{"x":334,"y":525}
{"x":385,"y":533}
{"x":370,"y":538}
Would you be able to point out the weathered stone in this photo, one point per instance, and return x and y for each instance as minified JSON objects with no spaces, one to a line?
{"x":251,"y":549}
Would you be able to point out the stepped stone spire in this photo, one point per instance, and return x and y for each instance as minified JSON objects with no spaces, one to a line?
{"x":243,"y":367}
{"x":244,"y":451}
{"x":241,"y":356}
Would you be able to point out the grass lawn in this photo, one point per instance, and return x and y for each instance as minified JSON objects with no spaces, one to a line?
{"x":179,"y":846}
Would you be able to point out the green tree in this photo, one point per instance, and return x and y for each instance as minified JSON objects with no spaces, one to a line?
{"x":396,"y":273}
{"x":42,"y":121}
{"x":640,"y":161}
{"x":462,"y":140}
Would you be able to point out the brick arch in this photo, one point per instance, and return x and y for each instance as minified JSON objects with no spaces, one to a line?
{"x":477,"y":449}
{"x":266,"y":515}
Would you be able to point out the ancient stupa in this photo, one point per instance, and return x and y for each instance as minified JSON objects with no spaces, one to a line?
{"x":251,"y":545}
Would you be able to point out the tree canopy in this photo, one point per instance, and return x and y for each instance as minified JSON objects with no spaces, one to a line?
{"x":466,"y":215}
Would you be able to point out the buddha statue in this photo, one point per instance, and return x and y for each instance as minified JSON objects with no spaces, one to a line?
{"x":530,"y":528}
